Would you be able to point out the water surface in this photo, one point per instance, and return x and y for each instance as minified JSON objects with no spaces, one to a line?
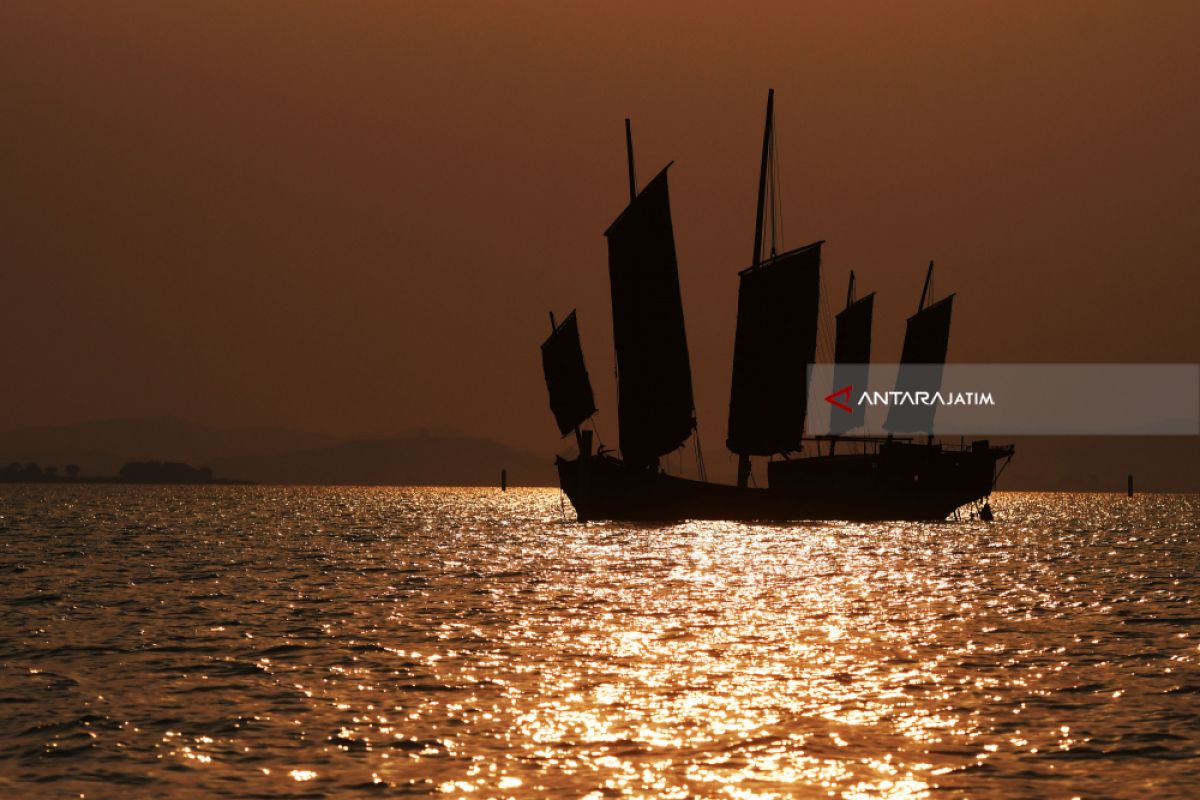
{"x":293,"y":642}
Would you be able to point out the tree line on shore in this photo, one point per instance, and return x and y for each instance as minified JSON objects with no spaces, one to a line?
{"x":132,"y":472}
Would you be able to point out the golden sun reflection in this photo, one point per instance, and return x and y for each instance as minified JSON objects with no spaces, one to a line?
{"x":740,"y":674}
{"x":489,"y":651}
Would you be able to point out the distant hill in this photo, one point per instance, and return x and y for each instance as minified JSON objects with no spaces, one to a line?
{"x":277,"y":455}
{"x":447,"y":457}
{"x":103,"y":446}
{"x":411,"y":460}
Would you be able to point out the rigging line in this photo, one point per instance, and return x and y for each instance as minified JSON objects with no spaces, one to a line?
{"x":617,"y":381}
{"x":1000,"y":472}
{"x":824,"y":323}
{"x":703,"y":473}
{"x":596,"y":428}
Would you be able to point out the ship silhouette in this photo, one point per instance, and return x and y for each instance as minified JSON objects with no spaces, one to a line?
{"x":872,"y":478}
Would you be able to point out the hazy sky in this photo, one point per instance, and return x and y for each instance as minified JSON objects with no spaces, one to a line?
{"x":354,"y":217}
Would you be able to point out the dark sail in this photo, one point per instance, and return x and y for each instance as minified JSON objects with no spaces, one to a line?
{"x":852,"y":356}
{"x":566,"y":376}
{"x":921,"y":361}
{"x":655,"y":412}
{"x":775,"y":342}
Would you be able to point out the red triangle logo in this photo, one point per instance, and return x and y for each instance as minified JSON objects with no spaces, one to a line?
{"x":842,"y":392}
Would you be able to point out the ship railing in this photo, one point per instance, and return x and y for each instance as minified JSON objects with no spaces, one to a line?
{"x":828,"y":444}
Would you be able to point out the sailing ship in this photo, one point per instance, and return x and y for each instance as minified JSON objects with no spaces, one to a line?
{"x":873,"y":477}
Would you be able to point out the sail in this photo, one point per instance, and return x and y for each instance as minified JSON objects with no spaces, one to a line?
{"x":655,"y":413}
{"x":921,"y":361}
{"x":567,"y":381}
{"x":775,"y":342}
{"x":852,"y":356}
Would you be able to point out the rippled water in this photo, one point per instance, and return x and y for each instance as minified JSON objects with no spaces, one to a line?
{"x":270,"y":642}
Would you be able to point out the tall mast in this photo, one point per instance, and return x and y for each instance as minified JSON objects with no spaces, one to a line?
{"x":629,"y":153}
{"x":850,"y":290}
{"x":762,"y":179}
{"x":744,"y":458}
{"x":925,"y":291}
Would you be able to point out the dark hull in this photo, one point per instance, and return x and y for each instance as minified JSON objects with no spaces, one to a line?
{"x":902,"y":481}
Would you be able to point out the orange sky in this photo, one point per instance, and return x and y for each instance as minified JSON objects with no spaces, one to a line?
{"x":355,"y":219}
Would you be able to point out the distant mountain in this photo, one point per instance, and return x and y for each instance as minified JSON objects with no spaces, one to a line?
{"x":425,"y":456}
{"x":411,"y":460}
{"x":103,"y":446}
{"x":277,"y":455}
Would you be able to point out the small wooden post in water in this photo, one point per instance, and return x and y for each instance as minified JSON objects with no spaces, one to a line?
{"x":504,"y":480}
{"x":1129,"y":485}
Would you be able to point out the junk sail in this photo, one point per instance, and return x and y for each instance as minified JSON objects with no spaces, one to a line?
{"x":776,"y":336}
{"x":570,"y":390}
{"x":925,"y":341}
{"x":655,"y":412}
{"x":776,"y":340}
{"x":852,"y":356}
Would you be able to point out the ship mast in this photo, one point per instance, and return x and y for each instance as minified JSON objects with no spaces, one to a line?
{"x":851,"y":355}
{"x":762,"y":178}
{"x":922,"y":359}
{"x":743,"y":458}
{"x":655,"y":409}
{"x":629,"y":154}
{"x":776,"y":335}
